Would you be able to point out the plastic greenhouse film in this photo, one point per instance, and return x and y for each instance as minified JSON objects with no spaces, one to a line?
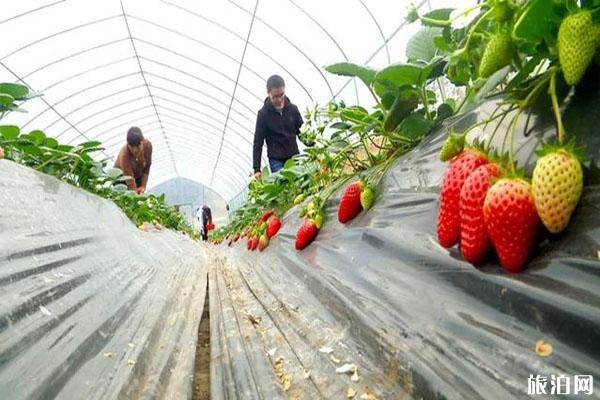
{"x":91,"y":307}
{"x":377,"y":307}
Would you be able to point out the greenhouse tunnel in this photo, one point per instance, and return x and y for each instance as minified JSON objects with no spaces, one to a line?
{"x":436,"y":235}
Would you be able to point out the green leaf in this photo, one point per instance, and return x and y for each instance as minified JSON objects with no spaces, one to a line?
{"x":289,"y":164}
{"x":414,"y":126}
{"x":441,"y":43}
{"x":536,"y":21}
{"x":93,"y":143}
{"x":524,"y":72}
{"x":365,"y":74}
{"x":64,"y":148}
{"x":51,"y":143}
{"x":18,"y":92}
{"x":387,"y":99}
{"x":444,"y":111}
{"x":36,"y":136}
{"x":9,"y":132}
{"x":114,"y":173}
{"x":421,"y":47}
{"x":341,"y":125}
{"x":492,"y":82}
{"x":355,"y":114}
{"x":406,"y":101}
{"x":396,"y":75}
{"x":6,"y":99}
{"x":442,"y":15}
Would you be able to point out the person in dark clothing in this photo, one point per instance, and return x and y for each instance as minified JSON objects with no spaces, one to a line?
{"x":206,"y":217}
{"x":278,"y":123}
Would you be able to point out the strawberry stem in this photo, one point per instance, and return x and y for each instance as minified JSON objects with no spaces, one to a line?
{"x":556,"y":108}
{"x":512,"y":128}
{"x":504,"y":115}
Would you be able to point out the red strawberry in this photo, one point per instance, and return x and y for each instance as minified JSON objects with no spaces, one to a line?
{"x":350,"y":202}
{"x":306,"y":233}
{"x":448,"y":227}
{"x":236,"y":237}
{"x":511,"y":221}
{"x":249,"y":244}
{"x":253,"y":243}
{"x":266,"y":215}
{"x":474,"y":240}
{"x":273,"y":227}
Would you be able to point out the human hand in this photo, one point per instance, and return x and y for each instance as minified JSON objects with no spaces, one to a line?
{"x":140,"y":190}
{"x":257,"y":175}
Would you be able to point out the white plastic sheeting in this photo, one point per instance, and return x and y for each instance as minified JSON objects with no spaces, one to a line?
{"x":190,"y":74}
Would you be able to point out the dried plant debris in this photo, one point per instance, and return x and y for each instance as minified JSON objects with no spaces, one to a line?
{"x":326,"y":350}
{"x":346,"y":369}
{"x":351,"y":393}
{"x":367,"y":396}
{"x":253,"y":319}
{"x":543,"y":348}
{"x":284,"y":379}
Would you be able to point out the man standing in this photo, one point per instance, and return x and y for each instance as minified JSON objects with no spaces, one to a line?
{"x":135,"y":159}
{"x":278,"y":122}
{"x":206,"y":216}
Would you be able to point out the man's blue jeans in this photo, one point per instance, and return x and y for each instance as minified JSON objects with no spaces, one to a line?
{"x":275,"y":165}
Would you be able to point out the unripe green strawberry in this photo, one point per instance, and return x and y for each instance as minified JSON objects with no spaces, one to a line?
{"x":453,"y":145}
{"x":319,"y":219}
{"x":503,"y":11}
{"x":576,"y":45}
{"x":263,"y":242}
{"x":367,"y":197}
{"x":511,"y":221}
{"x":299,"y":199}
{"x":557,"y":185}
{"x":498,"y":53}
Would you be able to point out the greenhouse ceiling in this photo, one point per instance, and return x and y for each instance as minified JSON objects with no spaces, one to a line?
{"x":190,"y":74}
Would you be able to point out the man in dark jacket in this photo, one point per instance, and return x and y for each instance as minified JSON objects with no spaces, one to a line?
{"x":206,"y":220}
{"x":278,"y":122}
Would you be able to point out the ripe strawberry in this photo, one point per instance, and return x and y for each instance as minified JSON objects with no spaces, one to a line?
{"x":448,"y":226}
{"x":254,"y":243}
{"x":576,"y":45}
{"x":273,"y":227}
{"x":263,"y":242}
{"x":236,"y":237}
{"x":511,"y":221}
{"x":306,"y":233}
{"x":266,"y":215}
{"x":474,"y":240}
{"x":249,"y":244}
{"x":497,"y":54}
{"x":557,"y":184}
{"x":350,"y":202}
{"x":367,"y":197}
